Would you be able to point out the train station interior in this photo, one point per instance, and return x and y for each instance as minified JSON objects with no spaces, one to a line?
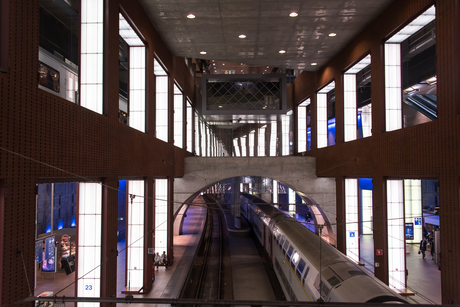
{"x":126,"y":125}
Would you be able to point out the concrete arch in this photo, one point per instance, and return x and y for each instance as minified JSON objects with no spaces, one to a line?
{"x":296,"y":172}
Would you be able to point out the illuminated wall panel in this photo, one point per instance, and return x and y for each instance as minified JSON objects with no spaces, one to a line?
{"x":321,"y":102}
{"x":137,"y":88}
{"x":291,"y":195}
{"x":244,"y":150}
{"x":161,"y":215}
{"x":413,"y":207}
{"x":275,"y":193}
{"x":89,"y":241}
{"x":285,"y":122}
{"x":91,"y":68}
{"x":178,"y":117}
{"x":161,"y":101}
{"x":252,"y":143}
{"x":395,"y":229}
{"x":197,"y":135}
{"x":261,"y":141}
{"x":351,"y":218}
{"x":367,"y":211}
{"x":189,"y":126}
{"x":135,"y":234}
{"x":236,"y":147}
{"x":349,"y":100}
{"x":273,"y":138}
{"x":366,"y":120}
{"x":393,"y":96}
{"x":302,"y":126}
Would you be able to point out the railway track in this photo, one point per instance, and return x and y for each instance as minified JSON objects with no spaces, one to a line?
{"x":205,"y":279}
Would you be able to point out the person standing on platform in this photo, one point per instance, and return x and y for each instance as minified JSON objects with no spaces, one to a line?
{"x":164,"y":259}
{"x":422,"y":247}
{"x":157,"y":259}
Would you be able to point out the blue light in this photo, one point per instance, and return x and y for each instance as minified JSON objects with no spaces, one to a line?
{"x":60,"y":224}
{"x":365,"y":183}
{"x":48,"y":228}
{"x":73,"y":223}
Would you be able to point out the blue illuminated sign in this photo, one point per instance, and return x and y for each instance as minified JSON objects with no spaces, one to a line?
{"x":38,"y":251}
{"x":352,"y":234}
{"x":417,"y":221}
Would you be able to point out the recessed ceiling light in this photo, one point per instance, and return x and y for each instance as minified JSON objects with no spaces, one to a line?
{"x":268,"y":66}
{"x":314,"y":64}
{"x":214,"y":64}
{"x":332,"y":34}
{"x":202,"y":52}
{"x":223,"y":63}
{"x":293,"y":14}
{"x":242,"y":36}
{"x":282,"y":51}
{"x":191,"y":16}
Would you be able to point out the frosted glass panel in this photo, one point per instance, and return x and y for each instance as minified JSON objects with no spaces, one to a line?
{"x":161,"y":215}
{"x":393,"y":99}
{"x":178,"y":117}
{"x":351,"y":217}
{"x":189,"y":126}
{"x":285,"y":121}
{"x":302,"y":126}
{"x":135,"y":233}
{"x":273,"y":138}
{"x":89,"y":239}
{"x":322,"y":119}
{"x":349,"y":85}
{"x":395,"y":224}
{"x":161,"y":101}
{"x":91,"y":69}
{"x":261,"y":142}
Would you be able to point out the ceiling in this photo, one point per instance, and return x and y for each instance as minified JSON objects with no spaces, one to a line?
{"x":267,"y":26}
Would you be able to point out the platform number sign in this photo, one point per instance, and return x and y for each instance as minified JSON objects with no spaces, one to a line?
{"x":417,"y":221}
{"x":352,"y":234}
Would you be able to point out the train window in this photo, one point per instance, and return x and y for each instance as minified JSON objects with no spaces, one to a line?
{"x":285,"y":246}
{"x":289,"y":252}
{"x":305,"y":276}
{"x":281,"y":241}
{"x":48,"y":77}
{"x":294,"y":259}
{"x":300,"y":268}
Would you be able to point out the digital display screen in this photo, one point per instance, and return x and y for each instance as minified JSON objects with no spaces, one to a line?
{"x":49,"y":248}
{"x":48,"y":265}
{"x":409,"y":231}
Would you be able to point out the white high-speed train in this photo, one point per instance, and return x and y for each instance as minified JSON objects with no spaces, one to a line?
{"x":297,"y":259}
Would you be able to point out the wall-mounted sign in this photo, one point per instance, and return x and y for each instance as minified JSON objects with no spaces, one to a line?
{"x":49,"y":247}
{"x":379,"y":252}
{"x":417,"y":220}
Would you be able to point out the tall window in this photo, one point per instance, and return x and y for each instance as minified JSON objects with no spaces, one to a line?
{"x":92,"y":29}
{"x":162,"y":101}
{"x":303,"y":121}
{"x":189,"y":126}
{"x":58,"y":54}
{"x":357,"y":100}
{"x":161,"y":215}
{"x":410,"y":74}
{"x":178,"y":116}
{"x":326,"y":115}
{"x":135,"y":83}
{"x":351,"y":218}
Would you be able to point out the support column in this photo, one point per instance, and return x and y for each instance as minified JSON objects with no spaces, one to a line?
{"x":450,"y":232}
{"x":340,"y":210}
{"x":109,"y":238}
{"x":149,"y":239}
{"x":236,"y":204}
{"x":170,"y":232}
{"x":380,"y":230}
